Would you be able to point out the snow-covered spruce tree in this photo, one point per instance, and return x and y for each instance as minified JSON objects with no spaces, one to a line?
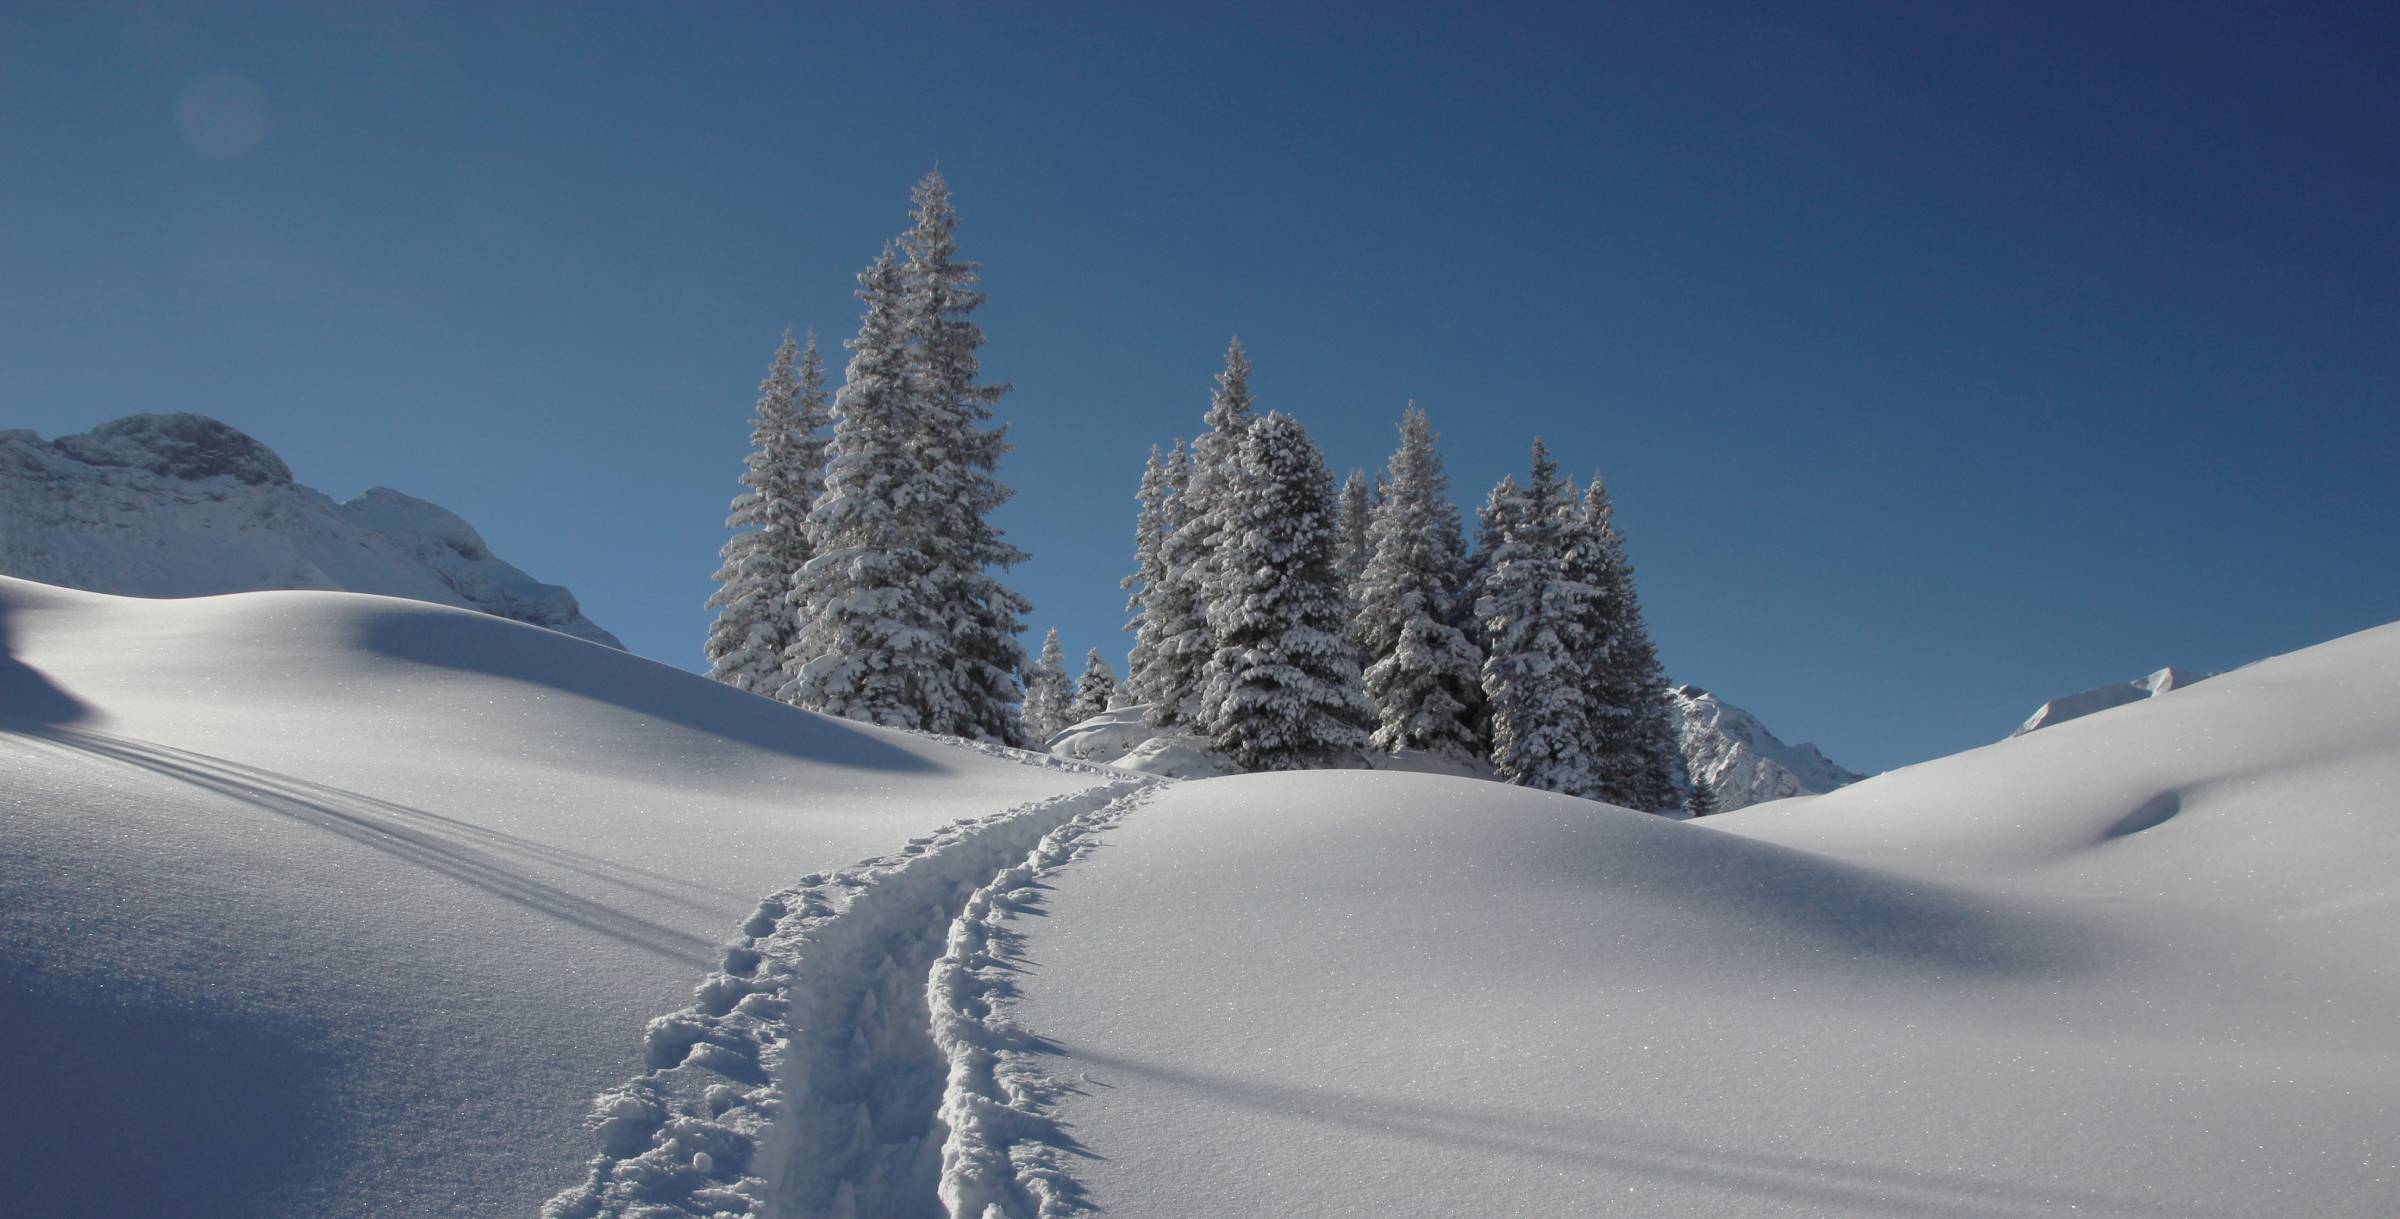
{"x":873,"y":640}
{"x":1494,"y":517}
{"x":1703,"y":799}
{"x":781,"y":480}
{"x":960,"y":452}
{"x":1423,"y":672}
{"x":1186,"y":640}
{"x":1625,"y":686}
{"x":1282,"y":690}
{"x":1049,"y":692}
{"x":1355,"y":517}
{"x":1096,"y":691}
{"x":1533,"y":615}
{"x":1150,"y":526}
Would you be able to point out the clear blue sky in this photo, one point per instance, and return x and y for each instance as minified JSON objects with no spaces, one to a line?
{"x":1940,"y":360}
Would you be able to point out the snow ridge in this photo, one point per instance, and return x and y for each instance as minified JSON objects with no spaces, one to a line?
{"x":804,"y":1080}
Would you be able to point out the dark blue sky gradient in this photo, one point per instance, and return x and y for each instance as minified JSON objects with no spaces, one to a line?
{"x":1941,"y":361}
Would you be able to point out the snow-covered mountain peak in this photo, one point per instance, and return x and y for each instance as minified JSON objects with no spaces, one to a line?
{"x":2101,"y":698}
{"x":180,"y":445}
{"x":1741,"y":761}
{"x":182,"y":505}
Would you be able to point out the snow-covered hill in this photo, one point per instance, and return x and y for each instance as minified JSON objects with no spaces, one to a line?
{"x":2101,"y":698}
{"x":2094,"y":971}
{"x":1744,"y":763}
{"x":317,"y":904}
{"x":185,"y":506}
{"x":313,"y":903}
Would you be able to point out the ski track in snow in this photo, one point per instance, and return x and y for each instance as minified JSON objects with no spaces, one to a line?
{"x":845,"y":1061}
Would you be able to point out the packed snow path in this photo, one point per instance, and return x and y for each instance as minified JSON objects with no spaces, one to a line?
{"x":820,"y":1073}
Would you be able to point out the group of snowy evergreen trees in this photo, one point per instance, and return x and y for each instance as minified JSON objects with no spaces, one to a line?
{"x":860,"y":583}
{"x":1291,"y":624}
{"x":1294,"y":626}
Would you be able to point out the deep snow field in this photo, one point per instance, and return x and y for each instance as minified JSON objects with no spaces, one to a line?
{"x":319,"y":904}
{"x":331,"y":905}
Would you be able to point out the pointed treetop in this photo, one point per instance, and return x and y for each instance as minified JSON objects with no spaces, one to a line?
{"x":1231,"y":405}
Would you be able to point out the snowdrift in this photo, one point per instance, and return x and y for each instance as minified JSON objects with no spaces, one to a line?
{"x":2139,"y":964}
{"x":327,"y":904}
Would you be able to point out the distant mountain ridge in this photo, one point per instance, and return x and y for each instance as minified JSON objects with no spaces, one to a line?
{"x":182,"y":505}
{"x":1743,"y":763}
{"x":2101,"y":698}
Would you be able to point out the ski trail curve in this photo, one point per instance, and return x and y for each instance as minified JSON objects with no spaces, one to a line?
{"x":807,"y":1078}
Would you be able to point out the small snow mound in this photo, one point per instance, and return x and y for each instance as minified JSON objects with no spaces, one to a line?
{"x":1105,"y":737}
{"x":1177,"y":757}
{"x":184,"y":446}
{"x":1124,"y":738}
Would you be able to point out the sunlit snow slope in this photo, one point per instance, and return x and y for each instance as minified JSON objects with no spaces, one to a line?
{"x":2146,"y":963}
{"x":317,"y":904}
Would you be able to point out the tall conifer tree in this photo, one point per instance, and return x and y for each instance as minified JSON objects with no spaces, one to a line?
{"x":781,"y":479}
{"x":1355,"y":520}
{"x":960,"y":450}
{"x":1422,"y":671}
{"x":873,"y":641}
{"x":1150,"y":528}
{"x":1637,"y":758}
{"x":1186,"y":640}
{"x":1281,"y":690}
{"x":1534,"y":614}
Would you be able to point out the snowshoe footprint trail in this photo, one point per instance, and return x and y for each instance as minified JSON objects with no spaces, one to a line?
{"x":810,"y":1077}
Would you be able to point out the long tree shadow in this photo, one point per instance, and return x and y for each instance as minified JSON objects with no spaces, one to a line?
{"x":29,"y":700}
{"x":429,"y":840}
{"x":1573,"y":1142}
{"x":494,"y":647}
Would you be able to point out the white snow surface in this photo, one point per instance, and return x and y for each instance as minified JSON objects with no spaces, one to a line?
{"x":2142,"y":964}
{"x":1744,"y":763}
{"x":321,"y":904}
{"x":2101,"y":698}
{"x":325,"y":904}
{"x":185,"y":506}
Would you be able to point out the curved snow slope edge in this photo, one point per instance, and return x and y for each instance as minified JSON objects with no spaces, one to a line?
{"x":2141,"y":964}
{"x":184,"y":506}
{"x":326,"y":904}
